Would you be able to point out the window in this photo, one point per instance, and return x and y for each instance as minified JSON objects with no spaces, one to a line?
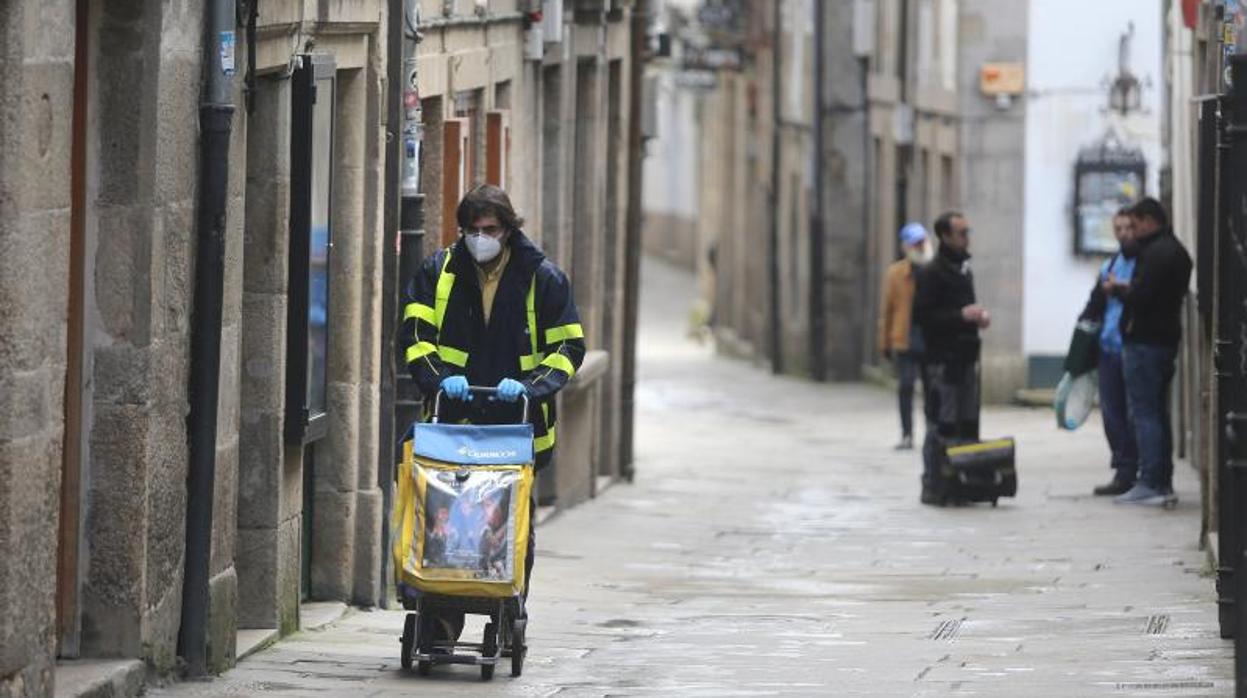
{"x":946,"y":43}
{"x":948,"y":188}
{"x":311,"y":236}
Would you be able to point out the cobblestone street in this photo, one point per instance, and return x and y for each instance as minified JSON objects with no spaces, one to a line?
{"x":773,"y":544}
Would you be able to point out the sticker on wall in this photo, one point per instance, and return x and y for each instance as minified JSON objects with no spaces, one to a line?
{"x":227,"y":52}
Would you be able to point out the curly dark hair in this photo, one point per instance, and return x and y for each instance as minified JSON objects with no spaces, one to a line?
{"x":487,"y":200}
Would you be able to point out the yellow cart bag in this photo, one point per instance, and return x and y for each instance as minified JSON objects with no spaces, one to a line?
{"x":462,"y":509}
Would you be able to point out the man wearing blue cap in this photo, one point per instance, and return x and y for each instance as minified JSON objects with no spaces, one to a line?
{"x":899,"y":340}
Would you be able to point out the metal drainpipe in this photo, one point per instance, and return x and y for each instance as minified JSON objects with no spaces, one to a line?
{"x":632,"y":238}
{"x":777,"y":45}
{"x":216,"y":111}
{"x":818,"y":242}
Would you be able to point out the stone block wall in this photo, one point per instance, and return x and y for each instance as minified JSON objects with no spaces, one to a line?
{"x":270,"y":473}
{"x":144,"y":87}
{"x":36,"y":77}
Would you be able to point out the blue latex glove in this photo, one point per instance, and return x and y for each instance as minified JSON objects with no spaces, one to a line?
{"x":510,"y":390}
{"x":456,"y":388}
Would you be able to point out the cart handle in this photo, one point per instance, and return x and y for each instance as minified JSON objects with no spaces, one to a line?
{"x":478,"y":390}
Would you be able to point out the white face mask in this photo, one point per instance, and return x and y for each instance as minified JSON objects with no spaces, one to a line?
{"x":484,"y":248}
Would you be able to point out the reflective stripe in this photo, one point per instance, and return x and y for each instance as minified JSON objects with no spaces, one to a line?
{"x":419,"y":350}
{"x":531,"y":361}
{"x":531,"y":305}
{"x":544,"y":443}
{"x":454,"y":356}
{"x":561,"y":334}
{"x":445,"y":282}
{"x":980,"y":447}
{"x":419,"y":311}
{"x":560,"y":362}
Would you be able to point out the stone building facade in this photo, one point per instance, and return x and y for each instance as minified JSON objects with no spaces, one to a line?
{"x":762,"y":191}
{"x":99,"y":186}
{"x":923,"y":106}
{"x":939,"y":144}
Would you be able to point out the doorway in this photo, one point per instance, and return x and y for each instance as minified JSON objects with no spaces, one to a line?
{"x":70,"y":540}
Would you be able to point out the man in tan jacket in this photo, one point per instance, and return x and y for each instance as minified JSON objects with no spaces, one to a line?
{"x":899,"y":340}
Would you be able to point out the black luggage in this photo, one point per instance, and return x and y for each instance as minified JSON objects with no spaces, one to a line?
{"x":976,"y":471}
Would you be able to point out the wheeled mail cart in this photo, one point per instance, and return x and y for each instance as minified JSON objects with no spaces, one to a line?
{"x":462,"y":516}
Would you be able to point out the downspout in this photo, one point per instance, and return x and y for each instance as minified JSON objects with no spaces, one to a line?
{"x":632,"y":238}
{"x":389,"y":282}
{"x":904,"y":152}
{"x":818,"y":243}
{"x":216,"y":111}
{"x":777,"y":353}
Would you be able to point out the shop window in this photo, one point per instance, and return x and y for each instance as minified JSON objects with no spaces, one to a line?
{"x":311,"y":238}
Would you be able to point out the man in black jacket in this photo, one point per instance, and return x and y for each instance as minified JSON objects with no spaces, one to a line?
{"x":946,"y":310}
{"x":1151,"y":325}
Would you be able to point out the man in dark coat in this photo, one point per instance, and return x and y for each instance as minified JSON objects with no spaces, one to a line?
{"x":1151,"y":324}
{"x":946,"y":310}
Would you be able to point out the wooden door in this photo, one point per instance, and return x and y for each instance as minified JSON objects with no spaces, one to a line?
{"x":456,"y":173}
{"x":69,"y":534}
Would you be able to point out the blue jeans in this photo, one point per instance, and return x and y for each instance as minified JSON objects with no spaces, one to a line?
{"x":1115,"y":413}
{"x":1149,"y":372}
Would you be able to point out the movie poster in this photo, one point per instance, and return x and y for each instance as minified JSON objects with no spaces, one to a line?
{"x":469,"y":523}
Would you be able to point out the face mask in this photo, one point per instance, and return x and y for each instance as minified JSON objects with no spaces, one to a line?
{"x":484,"y":248}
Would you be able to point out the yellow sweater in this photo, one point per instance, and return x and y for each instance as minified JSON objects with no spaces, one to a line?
{"x":489,"y":279}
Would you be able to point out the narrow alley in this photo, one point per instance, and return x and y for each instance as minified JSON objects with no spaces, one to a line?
{"x":773,"y":544}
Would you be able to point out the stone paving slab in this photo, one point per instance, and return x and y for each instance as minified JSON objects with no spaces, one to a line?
{"x":773,"y":545}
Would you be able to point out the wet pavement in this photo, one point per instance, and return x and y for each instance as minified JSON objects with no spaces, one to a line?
{"x":773,"y":544}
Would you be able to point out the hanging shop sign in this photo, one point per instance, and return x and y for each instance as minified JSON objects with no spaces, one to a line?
{"x":713,"y":59}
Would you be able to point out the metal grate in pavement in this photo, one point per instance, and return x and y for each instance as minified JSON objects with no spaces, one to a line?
{"x":947,"y":630}
{"x":1134,"y":686}
{"x":1157,"y":624}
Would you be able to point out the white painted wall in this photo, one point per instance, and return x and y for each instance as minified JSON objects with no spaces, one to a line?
{"x":1072,"y":58}
{"x":670,"y":185}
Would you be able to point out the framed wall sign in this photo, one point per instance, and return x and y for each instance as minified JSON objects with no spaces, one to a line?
{"x":1107,"y":176}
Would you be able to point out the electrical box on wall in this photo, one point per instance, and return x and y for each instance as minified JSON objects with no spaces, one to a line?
{"x":997,"y":79}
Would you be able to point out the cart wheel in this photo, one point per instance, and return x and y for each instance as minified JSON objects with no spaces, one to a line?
{"x":408,"y":641}
{"x":424,"y":642}
{"x":518,"y":646}
{"x":487,"y":672}
{"x":489,"y":648}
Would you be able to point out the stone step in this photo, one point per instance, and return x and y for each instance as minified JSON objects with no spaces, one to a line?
{"x":99,"y":678}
